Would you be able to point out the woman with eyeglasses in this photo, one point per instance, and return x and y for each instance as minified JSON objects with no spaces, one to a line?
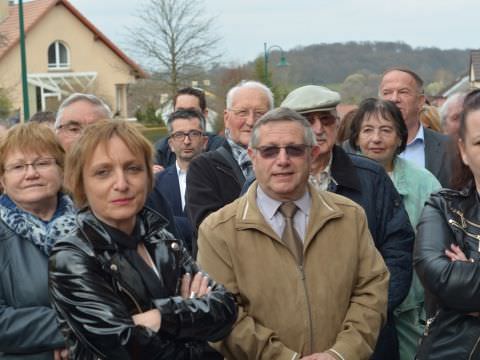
{"x":34,"y":213}
{"x":122,"y":286}
{"x":379,"y":132}
{"x":447,"y":252}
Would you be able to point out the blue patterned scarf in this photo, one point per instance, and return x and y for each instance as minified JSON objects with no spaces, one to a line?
{"x":43,"y":234}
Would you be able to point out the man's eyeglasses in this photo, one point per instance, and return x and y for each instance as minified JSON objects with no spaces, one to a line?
{"x":38,"y":165}
{"x":181,"y":135}
{"x":245,"y":113}
{"x":72,"y":129}
{"x":272,"y":151}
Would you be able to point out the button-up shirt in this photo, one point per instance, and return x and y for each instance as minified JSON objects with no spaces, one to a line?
{"x":415,"y":150}
{"x":270,"y":210}
{"x":182,"y":182}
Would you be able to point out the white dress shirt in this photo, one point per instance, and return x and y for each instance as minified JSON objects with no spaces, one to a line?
{"x":182,"y":182}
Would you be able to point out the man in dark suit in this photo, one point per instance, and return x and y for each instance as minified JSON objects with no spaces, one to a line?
{"x":425,"y":147}
{"x":186,"y":140}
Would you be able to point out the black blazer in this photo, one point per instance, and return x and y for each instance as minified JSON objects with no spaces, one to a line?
{"x":212,"y":183}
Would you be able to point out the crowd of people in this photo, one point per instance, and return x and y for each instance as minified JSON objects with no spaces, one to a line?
{"x":295,"y":235}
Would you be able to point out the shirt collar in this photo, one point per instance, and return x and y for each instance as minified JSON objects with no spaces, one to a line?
{"x":271,"y":205}
{"x":419,"y":137}
{"x":179,"y":171}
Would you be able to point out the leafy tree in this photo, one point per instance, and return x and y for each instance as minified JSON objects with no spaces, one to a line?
{"x":175,"y":38}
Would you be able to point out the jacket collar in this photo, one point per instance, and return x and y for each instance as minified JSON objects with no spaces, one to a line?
{"x":95,"y":232}
{"x":248,"y":215}
{"x":343,"y":171}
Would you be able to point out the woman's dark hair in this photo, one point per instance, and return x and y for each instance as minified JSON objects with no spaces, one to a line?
{"x":345,"y":127}
{"x":385,"y":109}
{"x":462,"y":175}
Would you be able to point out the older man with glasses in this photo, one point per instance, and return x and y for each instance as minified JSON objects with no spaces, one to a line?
{"x":216,"y":178}
{"x":365,"y":182}
{"x":301,"y":263}
{"x":76,"y":112}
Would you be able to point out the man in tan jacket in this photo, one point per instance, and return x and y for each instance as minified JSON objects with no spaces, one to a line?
{"x":309,"y":284}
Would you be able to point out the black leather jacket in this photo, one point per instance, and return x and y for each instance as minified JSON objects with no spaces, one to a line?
{"x":451,"y":288}
{"x":95,"y":292}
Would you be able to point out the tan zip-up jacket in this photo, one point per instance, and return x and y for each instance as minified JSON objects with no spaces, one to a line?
{"x":336,"y":301}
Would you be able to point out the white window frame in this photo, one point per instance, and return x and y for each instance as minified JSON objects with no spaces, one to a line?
{"x":58,"y":65}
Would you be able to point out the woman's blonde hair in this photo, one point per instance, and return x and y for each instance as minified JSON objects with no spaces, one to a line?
{"x":95,"y":135}
{"x":31,"y":137}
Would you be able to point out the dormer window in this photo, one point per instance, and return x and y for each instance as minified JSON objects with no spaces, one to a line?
{"x":58,"y":56}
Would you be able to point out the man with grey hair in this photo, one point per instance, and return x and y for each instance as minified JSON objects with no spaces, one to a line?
{"x":365,"y":182}
{"x":215,"y":178}
{"x":450,"y":113}
{"x":75,"y":112}
{"x":302,"y":264}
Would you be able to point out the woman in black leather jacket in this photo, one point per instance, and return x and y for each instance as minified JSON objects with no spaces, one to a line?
{"x":122,"y":287}
{"x":447,"y":257}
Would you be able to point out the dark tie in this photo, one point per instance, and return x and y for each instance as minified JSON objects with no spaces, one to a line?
{"x":290,"y":236}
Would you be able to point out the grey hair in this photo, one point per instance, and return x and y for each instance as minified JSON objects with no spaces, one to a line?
{"x":452,"y":99}
{"x":252,"y":85}
{"x":102,"y":107}
{"x":283,"y":114}
{"x":189,"y":114}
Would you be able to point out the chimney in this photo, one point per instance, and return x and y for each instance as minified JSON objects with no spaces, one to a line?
{"x":4,"y":5}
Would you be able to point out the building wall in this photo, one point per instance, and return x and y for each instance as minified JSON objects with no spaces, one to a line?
{"x":86,"y":55}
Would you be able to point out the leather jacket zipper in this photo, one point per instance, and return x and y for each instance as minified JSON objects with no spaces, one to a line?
{"x":459,"y":226}
{"x":462,"y":217}
{"x":129,"y":294}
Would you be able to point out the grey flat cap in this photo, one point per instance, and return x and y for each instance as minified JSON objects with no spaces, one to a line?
{"x":311,"y":98}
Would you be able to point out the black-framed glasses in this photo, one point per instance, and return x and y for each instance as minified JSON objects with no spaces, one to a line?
{"x":181,"y":135}
{"x":38,"y":165}
{"x":272,"y":151}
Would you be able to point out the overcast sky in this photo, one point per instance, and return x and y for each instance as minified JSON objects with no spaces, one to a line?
{"x":245,"y":25}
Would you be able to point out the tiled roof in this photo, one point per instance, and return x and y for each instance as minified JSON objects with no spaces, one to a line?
{"x":34,"y":11}
{"x":475,"y":64}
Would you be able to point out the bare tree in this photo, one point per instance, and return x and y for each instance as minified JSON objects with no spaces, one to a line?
{"x":175,"y":38}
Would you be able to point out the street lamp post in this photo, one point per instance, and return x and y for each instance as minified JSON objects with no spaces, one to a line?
{"x":283,"y":60}
{"x":26,"y":107}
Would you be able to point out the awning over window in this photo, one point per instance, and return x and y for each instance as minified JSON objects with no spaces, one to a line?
{"x":62,"y":84}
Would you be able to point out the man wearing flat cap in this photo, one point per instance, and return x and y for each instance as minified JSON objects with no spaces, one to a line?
{"x":365,"y":182}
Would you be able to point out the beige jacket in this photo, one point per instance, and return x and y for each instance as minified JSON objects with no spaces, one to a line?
{"x":335,"y":302}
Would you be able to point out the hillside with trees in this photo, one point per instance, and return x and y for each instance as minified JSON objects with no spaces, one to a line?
{"x":353,"y":68}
